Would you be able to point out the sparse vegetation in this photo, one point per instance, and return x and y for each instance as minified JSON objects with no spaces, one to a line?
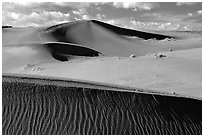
{"x":160,"y":55}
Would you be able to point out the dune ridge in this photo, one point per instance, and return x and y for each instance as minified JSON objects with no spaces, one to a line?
{"x":53,"y":80}
{"x":58,"y":50}
{"x":30,"y":108}
{"x":130,"y":32}
{"x":115,"y":29}
{"x":104,"y":38}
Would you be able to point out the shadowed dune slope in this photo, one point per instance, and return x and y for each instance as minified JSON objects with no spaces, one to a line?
{"x":38,"y":52}
{"x":130,"y":32}
{"x":107,"y":39}
{"x":61,"y":51}
{"x":30,"y":108}
{"x":117,"y":30}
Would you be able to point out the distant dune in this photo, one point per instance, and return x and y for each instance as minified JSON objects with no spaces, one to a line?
{"x":104,"y":38}
{"x":107,"y":39}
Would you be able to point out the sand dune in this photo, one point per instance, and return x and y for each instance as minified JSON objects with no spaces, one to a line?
{"x":179,"y":72}
{"x":129,"y":32}
{"x":36,"y":109}
{"x":40,"y":51}
{"x":110,"y":40}
{"x":106,"y":39}
{"x":79,"y":78}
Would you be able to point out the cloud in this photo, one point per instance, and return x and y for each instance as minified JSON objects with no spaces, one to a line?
{"x":72,"y":4}
{"x":186,"y":3}
{"x":14,"y":16}
{"x":86,"y":17}
{"x":151,"y":15}
{"x":190,"y":14}
{"x":159,"y":26}
{"x":48,"y":13}
{"x":45,"y":13}
{"x":29,"y":7}
{"x":34,"y":18}
{"x":22,"y":3}
{"x":136,"y":5}
{"x":81,"y":14}
{"x":100,"y":16}
{"x":199,"y":12}
{"x":131,"y":23}
{"x":170,"y":17}
{"x":116,"y":22}
{"x":113,"y":22}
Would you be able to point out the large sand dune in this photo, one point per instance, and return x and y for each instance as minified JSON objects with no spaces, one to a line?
{"x":177,"y":73}
{"x":106,"y":39}
{"x":165,"y":67}
{"x":40,"y":51}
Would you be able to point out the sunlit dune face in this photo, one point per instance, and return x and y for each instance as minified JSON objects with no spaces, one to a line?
{"x":21,"y":51}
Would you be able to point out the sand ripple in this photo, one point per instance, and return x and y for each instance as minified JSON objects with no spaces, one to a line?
{"x":37,"y":109}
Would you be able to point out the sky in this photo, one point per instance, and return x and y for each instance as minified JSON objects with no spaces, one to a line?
{"x":172,"y":16}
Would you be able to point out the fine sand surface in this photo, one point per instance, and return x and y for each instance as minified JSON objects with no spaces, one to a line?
{"x":40,"y":106}
{"x":94,"y":74}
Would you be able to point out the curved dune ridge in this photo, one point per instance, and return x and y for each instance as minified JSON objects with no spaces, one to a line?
{"x":58,"y":50}
{"x":35,"y":109}
{"x":117,"y":30}
{"x":130,"y":32}
{"x":109,"y":40}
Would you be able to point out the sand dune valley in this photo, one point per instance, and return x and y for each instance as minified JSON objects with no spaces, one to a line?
{"x":91,"y":77}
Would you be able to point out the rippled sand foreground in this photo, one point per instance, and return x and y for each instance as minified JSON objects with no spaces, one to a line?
{"x":52,"y":107}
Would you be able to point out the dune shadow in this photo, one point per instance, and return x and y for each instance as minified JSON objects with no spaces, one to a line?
{"x":61,"y":51}
{"x":130,"y":32}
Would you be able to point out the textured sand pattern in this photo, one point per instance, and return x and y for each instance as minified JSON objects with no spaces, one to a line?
{"x":30,"y":108}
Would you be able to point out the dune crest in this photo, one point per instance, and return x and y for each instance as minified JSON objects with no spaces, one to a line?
{"x":51,"y":107}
